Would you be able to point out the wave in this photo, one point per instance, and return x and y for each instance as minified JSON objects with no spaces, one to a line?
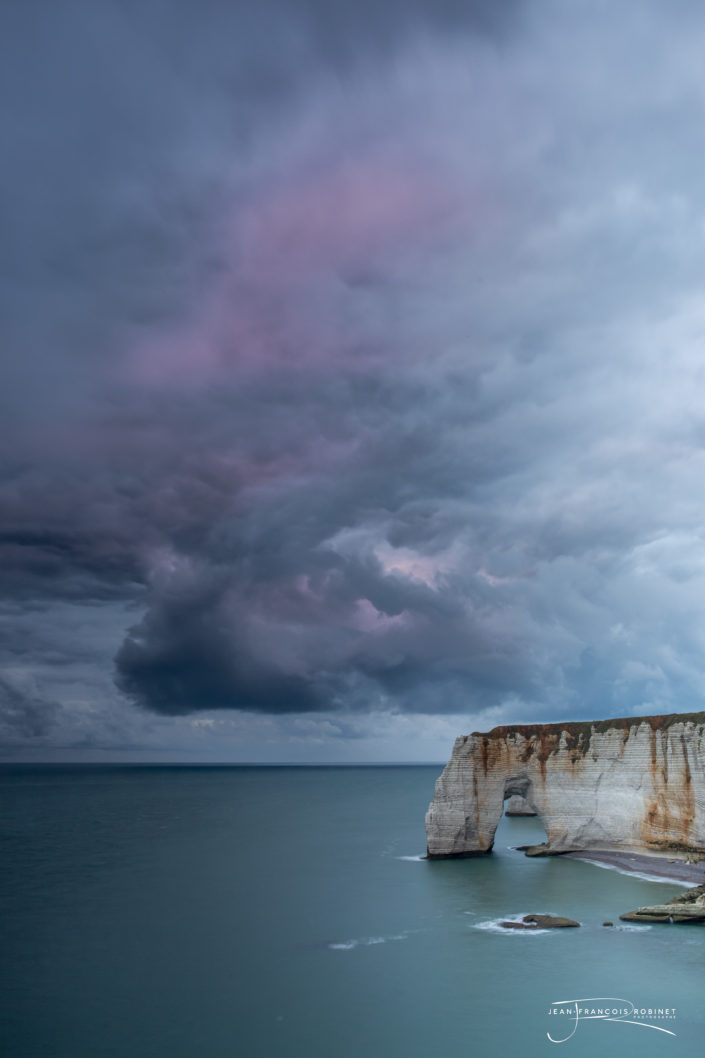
{"x":492,"y":925}
{"x":624,"y":928}
{"x":348,"y":945}
{"x":415,"y":859}
{"x":641,"y":874}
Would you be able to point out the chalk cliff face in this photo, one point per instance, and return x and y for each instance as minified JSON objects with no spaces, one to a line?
{"x":636,"y":783}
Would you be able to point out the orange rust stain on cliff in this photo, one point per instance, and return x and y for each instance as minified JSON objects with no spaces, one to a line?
{"x":652,"y":812}
{"x":669,"y":815}
{"x":657,"y":818}
{"x":654,"y":743}
{"x":657,"y":822}
{"x":527,"y":752}
{"x":688,"y":792}
{"x":491,"y":753}
{"x":652,"y":747}
{"x":546,"y":742}
{"x":686,"y":762}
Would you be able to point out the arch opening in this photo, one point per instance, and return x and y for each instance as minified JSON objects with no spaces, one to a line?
{"x":520,"y":819}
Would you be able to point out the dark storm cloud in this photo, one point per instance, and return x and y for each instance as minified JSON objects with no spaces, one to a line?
{"x":353,"y":359}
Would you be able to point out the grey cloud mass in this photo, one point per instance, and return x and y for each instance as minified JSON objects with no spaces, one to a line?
{"x":353,"y":376}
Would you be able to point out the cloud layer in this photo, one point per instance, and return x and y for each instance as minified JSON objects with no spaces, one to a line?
{"x":354,"y":365}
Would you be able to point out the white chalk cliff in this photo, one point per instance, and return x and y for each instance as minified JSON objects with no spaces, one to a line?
{"x":635,"y":783}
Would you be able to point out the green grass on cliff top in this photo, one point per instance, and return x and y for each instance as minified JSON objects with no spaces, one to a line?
{"x":575,"y":727}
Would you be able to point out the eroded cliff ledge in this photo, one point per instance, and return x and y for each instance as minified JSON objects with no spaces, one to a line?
{"x":634,"y":783}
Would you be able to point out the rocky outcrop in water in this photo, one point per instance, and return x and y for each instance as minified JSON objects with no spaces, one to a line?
{"x":688,"y":907}
{"x":540,"y":922}
{"x":635,"y":783}
{"x":666,"y":913}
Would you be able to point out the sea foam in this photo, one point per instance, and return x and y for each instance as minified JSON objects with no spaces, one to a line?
{"x":492,"y":925}
{"x":641,"y":874}
{"x":348,"y":945}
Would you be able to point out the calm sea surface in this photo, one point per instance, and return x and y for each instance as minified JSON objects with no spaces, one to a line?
{"x":240,"y":912}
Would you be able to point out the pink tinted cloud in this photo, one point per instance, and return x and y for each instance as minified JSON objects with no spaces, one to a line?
{"x":429,"y":569}
{"x":350,"y":214}
{"x":295,"y":248}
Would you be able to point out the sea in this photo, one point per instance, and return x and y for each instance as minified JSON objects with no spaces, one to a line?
{"x":289,"y":912}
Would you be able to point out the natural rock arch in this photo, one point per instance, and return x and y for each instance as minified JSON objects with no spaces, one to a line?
{"x":635,"y":783}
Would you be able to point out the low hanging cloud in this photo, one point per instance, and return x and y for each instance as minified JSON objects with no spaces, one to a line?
{"x":356,"y":365}
{"x":24,"y":713}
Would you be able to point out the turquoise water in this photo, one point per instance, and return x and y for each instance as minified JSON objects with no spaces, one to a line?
{"x":281,"y":912}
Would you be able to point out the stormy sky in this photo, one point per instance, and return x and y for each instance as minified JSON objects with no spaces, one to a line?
{"x":353,"y":374}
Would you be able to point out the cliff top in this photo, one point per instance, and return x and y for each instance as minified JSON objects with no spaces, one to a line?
{"x":577,"y":728}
